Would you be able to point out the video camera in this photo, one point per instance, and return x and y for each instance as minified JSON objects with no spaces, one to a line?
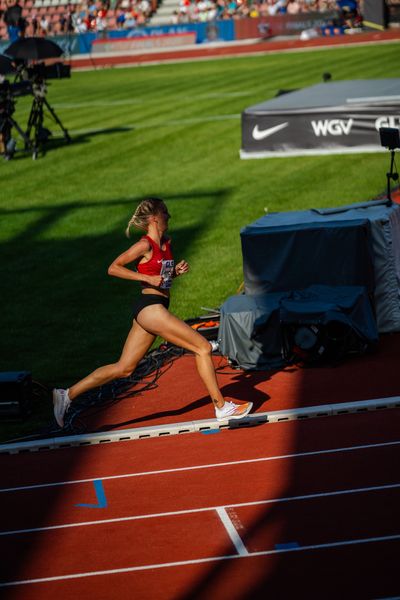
{"x":390,"y":137}
{"x":9,"y":91}
{"x":55,"y":71}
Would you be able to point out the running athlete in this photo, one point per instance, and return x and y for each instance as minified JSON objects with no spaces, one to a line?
{"x":155,"y":270}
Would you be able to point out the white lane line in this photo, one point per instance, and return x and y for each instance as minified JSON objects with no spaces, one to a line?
{"x":204,"y":466}
{"x":183,"y":563}
{"x":232,"y":532}
{"x":188,"y":511}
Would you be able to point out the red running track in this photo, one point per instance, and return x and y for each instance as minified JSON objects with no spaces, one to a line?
{"x":310,"y":506}
{"x":210,"y":51}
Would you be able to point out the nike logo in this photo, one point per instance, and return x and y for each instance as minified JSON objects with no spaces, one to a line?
{"x":260,"y":134}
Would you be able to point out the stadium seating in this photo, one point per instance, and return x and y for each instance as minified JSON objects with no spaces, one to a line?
{"x":56,"y":12}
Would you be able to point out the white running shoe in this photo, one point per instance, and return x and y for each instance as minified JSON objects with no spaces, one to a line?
{"x":230,"y":410}
{"x":214,"y":345}
{"x":61,"y":404}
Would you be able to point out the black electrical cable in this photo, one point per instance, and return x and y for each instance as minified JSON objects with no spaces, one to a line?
{"x":101,"y":398}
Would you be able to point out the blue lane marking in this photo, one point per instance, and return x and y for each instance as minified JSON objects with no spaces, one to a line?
{"x":287,"y":546}
{"x":100,"y":495}
{"x":210,"y":431}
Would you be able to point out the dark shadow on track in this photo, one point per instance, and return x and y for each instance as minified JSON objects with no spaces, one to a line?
{"x":65,"y":316}
{"x":355,"y":571}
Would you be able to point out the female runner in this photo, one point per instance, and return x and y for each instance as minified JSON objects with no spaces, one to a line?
{"x":155,"y":271}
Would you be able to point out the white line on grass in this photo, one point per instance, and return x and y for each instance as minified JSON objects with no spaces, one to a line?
{"x":203,"y":466}
{"x":184,"y":563}
{"x":189,"y":511}
{"x":145,"y":101}
{"x":151,"y":125}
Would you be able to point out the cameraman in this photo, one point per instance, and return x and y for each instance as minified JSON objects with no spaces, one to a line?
{"x":14,"y":20}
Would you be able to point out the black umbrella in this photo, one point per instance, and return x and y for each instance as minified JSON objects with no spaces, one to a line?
{"x":33,"y":48}
{"x":6,"y":65}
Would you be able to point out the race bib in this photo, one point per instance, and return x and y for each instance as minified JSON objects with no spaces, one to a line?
{"x":167,"y":272}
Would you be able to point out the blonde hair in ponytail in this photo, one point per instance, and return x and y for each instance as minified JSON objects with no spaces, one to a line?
{"x":147,"y":208}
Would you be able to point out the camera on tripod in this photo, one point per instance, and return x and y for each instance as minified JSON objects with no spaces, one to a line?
{"x":42,"y":71}
{"x":8,"y":93}
{"x":7,"y":104}
{"x":390,"y":139}
{"x":24,"y":58}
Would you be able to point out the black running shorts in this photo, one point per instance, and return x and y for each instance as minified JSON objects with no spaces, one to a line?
{"x":148,"y":300}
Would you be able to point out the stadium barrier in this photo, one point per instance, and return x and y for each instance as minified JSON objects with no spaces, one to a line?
{"x":213,"y":31}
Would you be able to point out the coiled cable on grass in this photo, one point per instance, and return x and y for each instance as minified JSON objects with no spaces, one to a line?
{"x":95,"y":401}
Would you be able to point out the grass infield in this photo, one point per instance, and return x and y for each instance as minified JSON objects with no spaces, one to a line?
{"x":166,"y":130}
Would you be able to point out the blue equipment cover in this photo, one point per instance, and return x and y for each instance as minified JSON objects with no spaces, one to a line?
{"x":356,"y":245}
{"x":323,"y":304}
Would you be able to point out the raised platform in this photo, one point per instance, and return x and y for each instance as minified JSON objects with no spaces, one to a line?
{"x":334,"y":117}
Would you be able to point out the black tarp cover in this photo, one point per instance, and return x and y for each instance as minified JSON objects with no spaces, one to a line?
{"x":332,"y":117}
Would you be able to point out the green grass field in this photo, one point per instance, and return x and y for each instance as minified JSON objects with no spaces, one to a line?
{"x":167,"y":130}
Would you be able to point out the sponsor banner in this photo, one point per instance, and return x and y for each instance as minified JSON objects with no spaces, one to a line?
{"x":204,"y":33}
{"x":69,"y":43}
{"x":267,"y":26}
{"x":317,"y":130}
{"x":147,"y":43}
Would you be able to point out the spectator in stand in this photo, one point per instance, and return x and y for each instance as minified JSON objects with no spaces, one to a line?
{"x":34,"y":24}
{"x":63,"y":23}
{"x":292,"y":7}
{"x":92,"y":10}
{"x":254,"y":11}
{"x":101,"y":21}
{"x":44,"y":26}
{"x":120,"y":19}
{"x":70,"y":28}
{"x":130,"y":19}
{"x":144,"y":7}
{"x":14,"y":21}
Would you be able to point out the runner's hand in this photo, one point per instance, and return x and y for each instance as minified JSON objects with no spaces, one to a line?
{"x":181,"y":268}
{"x":154,"y":280}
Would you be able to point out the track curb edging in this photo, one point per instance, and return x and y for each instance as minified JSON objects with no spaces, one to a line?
{"x":205,"y":425}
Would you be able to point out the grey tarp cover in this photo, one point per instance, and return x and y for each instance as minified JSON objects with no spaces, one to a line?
{"x":351,"y":245}
{"x":249,"y":331}
{"x":250,"y":327}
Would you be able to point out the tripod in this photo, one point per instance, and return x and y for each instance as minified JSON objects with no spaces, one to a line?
{"x":35,"y":120}
{"x":6,"y":125}
{"x":391,"y":175}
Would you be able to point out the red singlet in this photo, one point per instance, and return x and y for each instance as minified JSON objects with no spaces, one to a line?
{"x":161,"y":262}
